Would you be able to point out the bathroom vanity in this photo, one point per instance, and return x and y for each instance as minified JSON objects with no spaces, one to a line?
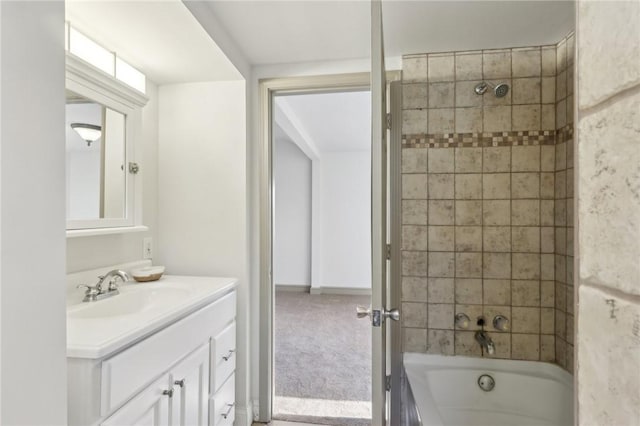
{"x":159,"y":353}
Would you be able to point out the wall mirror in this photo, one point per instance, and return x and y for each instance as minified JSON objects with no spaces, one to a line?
{"x":102,"y":125}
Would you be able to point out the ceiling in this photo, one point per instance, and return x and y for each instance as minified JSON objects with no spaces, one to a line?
{"x":270,"y":32}
{"x":333,"y":121}
{"x":160,"y":38}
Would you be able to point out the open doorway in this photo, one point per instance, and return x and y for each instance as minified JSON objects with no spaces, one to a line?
{"x":322,"y":257}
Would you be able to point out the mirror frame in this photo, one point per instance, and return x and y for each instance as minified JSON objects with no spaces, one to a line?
{"x":90,"y":82}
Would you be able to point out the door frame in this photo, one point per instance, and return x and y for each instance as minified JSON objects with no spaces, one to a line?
{"x":268,"y":88}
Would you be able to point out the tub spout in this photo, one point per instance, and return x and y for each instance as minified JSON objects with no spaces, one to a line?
{"x":482,"y":337}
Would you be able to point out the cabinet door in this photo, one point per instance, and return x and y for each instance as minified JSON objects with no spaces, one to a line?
{"x":149,"y":408}
{"x":191,"y":389}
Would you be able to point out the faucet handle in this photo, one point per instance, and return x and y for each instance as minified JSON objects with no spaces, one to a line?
{"x":501,"y":323}
{"x":462,"y":321}
{"x":91,"y":292}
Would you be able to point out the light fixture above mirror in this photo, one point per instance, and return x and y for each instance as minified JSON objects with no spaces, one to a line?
{"x":88,"y":132}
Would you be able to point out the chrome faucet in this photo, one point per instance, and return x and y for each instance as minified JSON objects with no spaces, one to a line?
{"x":97,"y":292}
{"x":482,"y":337}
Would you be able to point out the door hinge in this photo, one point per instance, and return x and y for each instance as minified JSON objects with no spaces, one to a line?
{"x":389,"y":121}
{"x":387,"y":383}
{"x":388,"y":251}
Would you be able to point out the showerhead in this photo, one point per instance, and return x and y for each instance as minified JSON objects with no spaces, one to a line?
{"x":499,"y":90}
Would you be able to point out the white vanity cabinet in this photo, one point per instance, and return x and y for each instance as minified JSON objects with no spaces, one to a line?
{"x":180,"y":374}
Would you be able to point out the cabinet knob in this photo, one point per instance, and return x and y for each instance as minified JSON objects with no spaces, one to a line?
{"x":169,"y":393}
{"x":229,"y":355}
{"x":179,"y":383}
{"x":229,"y":408}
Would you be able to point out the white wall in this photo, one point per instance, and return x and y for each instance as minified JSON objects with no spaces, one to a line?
{"x":32,"y":214}
{"x":292,"y":215}
{"x":202,"y":202}
{"x":87,"y":253}
{"x":346,"y":219}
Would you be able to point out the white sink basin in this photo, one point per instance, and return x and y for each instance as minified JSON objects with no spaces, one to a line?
{"x":97,"y":329}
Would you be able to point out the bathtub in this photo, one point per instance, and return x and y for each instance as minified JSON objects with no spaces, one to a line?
{"x":446,"y":392}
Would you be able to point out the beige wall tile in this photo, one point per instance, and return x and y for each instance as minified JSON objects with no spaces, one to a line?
{"x":414,"y":314}
{"x":496,"y":159}
{"x":525,"y":185}
{"x":441,"y":290}
{"x":547,"y":348}
{"x":496,"y":119}
{"x":441,"y":67}
{"x":468,"y":120}
{"x":496,"y":64}
{"x":560,"y":212}
{"x":414,"y":237}
{"x":414,"y":96}
{"x":466,"y":95}
{"x":525,"y":212}
{"x":441,"y":120}
{"x":414,"y":68}
{"x":561,"y":113}
{"x":525,"y":158}
{"x":560,"y":267}
{"x":547,"y":325}
{"x":525,"y":346}
{"x":414,"y":289}
{"x":441,"y":265}
{"x":548,"y":117}
{"x":570,"y":181}
{"x":526,"y":90}
{"x":440,"y":342}
{"x":526,"y":266}
{"x":468,"y":238}
{"x":547,"y":212}
{"x":547,"y":185}
{"x":496,"y":238}
{"x":526,"y":117}
{"x":561,"y":184}
{"x":440,"y":160}
{"x":414,"y":160}
{"x":548,"y":158}
{"x":547,"y":294}
{"x":496,"y":212}
{"x":469,"y":265}
{"x":548,"y":91}
{"x":441,"y":238}
{"x":468,"y":66}
{"x":547,"y":267}
{"x":468,"y":186}
{"x":502,"y":342}
{"x":496,"y":265}
{"x":561,"y":352}
{"x":441,"y":95}
{"x":526,"y":62}
{"x":468,"y":160}
{"x":496,"y":292}
{"x":547,"y":239}
{"x":441,"y":316}
{"x":496,"y":186}
{"x":414,"y":186}
{"x":525,"y":239}
{"x":525,"y":320}
{"x":466,"y":344}
{"x":549,"y":60}
{"x":414,"y":212}
{"x":468,"y":291}
{"x":414,"y":121}
{"x":441,"y":186}
{"x":561,"y":324}
{"x":441,"y":212}
{"x":570,"y":108}
{"x":414,"y":263}
{"x":525,"y":293}
{"x":561,"y":240}
{"x":561,"y":86}
{"x":414,"y":340}
{"x":468,"y":213}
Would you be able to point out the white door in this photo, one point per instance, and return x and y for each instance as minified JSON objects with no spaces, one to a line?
{"x":149,"y":408}
{"x":190,"y":379}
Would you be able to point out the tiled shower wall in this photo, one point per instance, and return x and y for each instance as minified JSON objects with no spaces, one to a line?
{"x":479,"y":194}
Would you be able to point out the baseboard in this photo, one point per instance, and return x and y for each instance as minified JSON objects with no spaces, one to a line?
{"x":293,"y":288}
{"x":343,"y":291}
{"x":244,"y":415}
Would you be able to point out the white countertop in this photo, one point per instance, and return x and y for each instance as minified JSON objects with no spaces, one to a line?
{"x":98,"y":329}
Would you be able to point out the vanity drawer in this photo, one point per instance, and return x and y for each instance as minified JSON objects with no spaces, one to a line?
{"x":131,"y":370}
{"x":223,"y":360}
{"x":222,"y":406}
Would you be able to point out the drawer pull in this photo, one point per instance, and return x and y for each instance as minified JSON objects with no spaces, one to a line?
{"x":229,"y":355}
{"x":229,"y":408}
{"x":179,"y":383}
{"x":169,"y":393}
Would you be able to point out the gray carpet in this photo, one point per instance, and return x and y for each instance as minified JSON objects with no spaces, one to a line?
{"x":322,"y":354}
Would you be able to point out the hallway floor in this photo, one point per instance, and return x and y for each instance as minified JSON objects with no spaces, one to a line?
{"x":322,"y":359}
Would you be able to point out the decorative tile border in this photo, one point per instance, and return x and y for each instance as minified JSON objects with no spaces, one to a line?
{"x":487,"y":139}
{"x":565,"y":134}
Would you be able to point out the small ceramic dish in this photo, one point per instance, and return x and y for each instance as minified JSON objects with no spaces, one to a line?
{"x":149,"y":273}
